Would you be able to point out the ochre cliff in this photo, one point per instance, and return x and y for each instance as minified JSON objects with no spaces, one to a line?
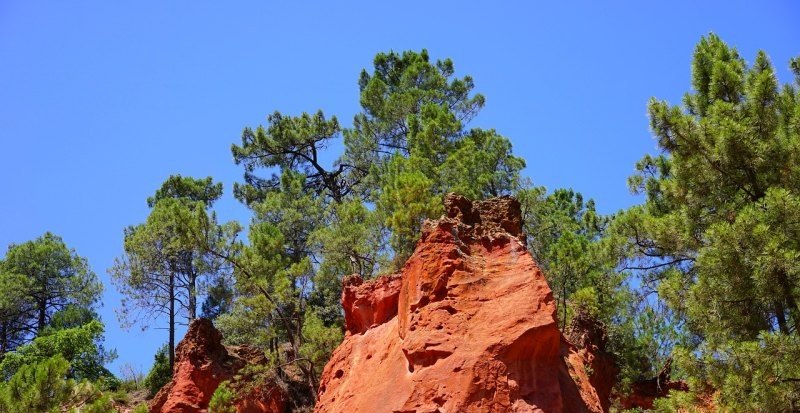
{"x":585,"y":346}
{"x":201,"y":364}
{"x":468,"y":325}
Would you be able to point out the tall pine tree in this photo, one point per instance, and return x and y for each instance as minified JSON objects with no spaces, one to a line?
{"x":718,"y":236}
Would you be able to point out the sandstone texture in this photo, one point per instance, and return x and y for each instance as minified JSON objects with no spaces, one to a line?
{"x":585,"y":346}
{"x":468,"y":325}
{"x":201,"y":364}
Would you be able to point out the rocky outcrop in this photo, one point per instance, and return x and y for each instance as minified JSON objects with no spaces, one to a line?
{"x":468,"y":325}
{"x":201,"y":364}
{"x":370,"y":304}
{"x":591,"y":367}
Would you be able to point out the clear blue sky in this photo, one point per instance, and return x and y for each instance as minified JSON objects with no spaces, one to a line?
{"x":100,"y":102}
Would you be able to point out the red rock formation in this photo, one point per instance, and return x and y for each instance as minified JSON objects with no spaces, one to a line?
{"x":585,"y":345}
{"x":473,"y":328}
{"x":369,"y":304}
{"x":201,"y":364}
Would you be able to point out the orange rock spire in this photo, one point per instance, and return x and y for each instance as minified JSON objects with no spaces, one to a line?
{"x":468,"y":325}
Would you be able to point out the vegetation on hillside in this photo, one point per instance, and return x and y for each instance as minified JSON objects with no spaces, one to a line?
{"x":703,"y":273}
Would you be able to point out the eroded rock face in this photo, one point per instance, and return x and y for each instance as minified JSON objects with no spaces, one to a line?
{"x":201,"y":364}
{"x":369,"y":304}
{"x":474,"y":329}
{"x":585,"y":346}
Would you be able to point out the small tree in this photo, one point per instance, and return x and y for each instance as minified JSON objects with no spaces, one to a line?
{"x":222,"y":399}
{"x":45,"y":276}
{"x":16,"y":309}
{"x":37,"y":387}
{"x":168,"y":256}
{"x":81,"y":346}
{"x":219,"y":299}
{"x":161,"y":372}
{"x":564,"y":234}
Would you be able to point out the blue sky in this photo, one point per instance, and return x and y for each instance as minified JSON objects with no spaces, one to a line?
{"x":101,"y":101}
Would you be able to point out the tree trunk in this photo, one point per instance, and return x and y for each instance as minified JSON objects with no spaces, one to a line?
{"x":42,"y":304}
{"x":780,"y":315}
{"x":308,"y":371}
{"x":171,"y":322}
{"x":192,"y":296}
{"x":788,"y":294}
{"x":564,"y":310}
{"x":564,"y":306}
{"x":4,"y":338}
{"x":794,"y":312}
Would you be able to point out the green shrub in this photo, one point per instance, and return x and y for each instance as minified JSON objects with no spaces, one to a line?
{"x":120,"y":396}
{"x":38,"y":387}
{"x":76,"y":345}
{"x":131,"y":379}
{"x":142,"y":408}
{"x":160,"y":374}
{"x":84,"y":392}
{"x":101,"y":405}
{"x":108,"y":383}
{"x":222,"y":400}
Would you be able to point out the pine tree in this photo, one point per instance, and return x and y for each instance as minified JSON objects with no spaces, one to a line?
{"x":717,"y":237}
{"x":315,"y":222}
{"x":39,"y":278}
{"x":81,"y":346}
{"x":39,"y":387}
{"x":564,"y":235}
{"x":167,"y":257}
